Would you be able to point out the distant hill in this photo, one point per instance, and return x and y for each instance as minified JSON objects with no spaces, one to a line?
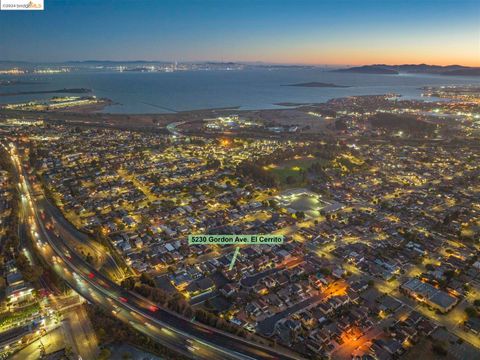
{"x":369,"y":69}
{"x":464,"y":72}
{"x":451,"y":70}
{"x":108,"y":62}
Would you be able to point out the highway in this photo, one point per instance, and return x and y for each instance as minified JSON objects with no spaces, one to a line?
{"x":75,"y":236}
{"x":170,"y":329}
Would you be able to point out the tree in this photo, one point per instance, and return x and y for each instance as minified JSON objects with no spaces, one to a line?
{"x":449,"y":274}
{"x":429,"y":267}
{"x":300,"y":215}
{"x":471,"y":312}
{"x":68,"y":351}
{"x":101,"y":334}
{"x":290,"y":180}
{"x":273,"y":203}
{"x":325,"y":271}
{"x":128,"y":283}
{"x":439,"y":349}
{"x":30,"y":272}
{"x":147,"y":280}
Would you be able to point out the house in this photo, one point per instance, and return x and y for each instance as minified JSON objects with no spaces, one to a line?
{"x":429,"y":295}
{"x":228,"y":290}
{"x":200,"y":286}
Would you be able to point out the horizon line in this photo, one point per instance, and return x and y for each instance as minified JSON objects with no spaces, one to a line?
{"x":231,"y":61}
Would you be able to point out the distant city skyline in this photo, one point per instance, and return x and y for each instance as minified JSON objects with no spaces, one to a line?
{"x":342,"y":32}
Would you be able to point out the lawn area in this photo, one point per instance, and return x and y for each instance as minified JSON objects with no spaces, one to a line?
{"x":289,"y":172}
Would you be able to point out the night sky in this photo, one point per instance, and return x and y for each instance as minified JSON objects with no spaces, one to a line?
{"x":320,"y":32}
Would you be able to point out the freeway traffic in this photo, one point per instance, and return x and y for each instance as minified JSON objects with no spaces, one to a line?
{"x":170,"y":329}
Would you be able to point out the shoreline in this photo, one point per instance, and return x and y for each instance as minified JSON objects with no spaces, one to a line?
{"x":55,"y":91}
{"x":90,"y":116}
{"x":293,"y":120}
